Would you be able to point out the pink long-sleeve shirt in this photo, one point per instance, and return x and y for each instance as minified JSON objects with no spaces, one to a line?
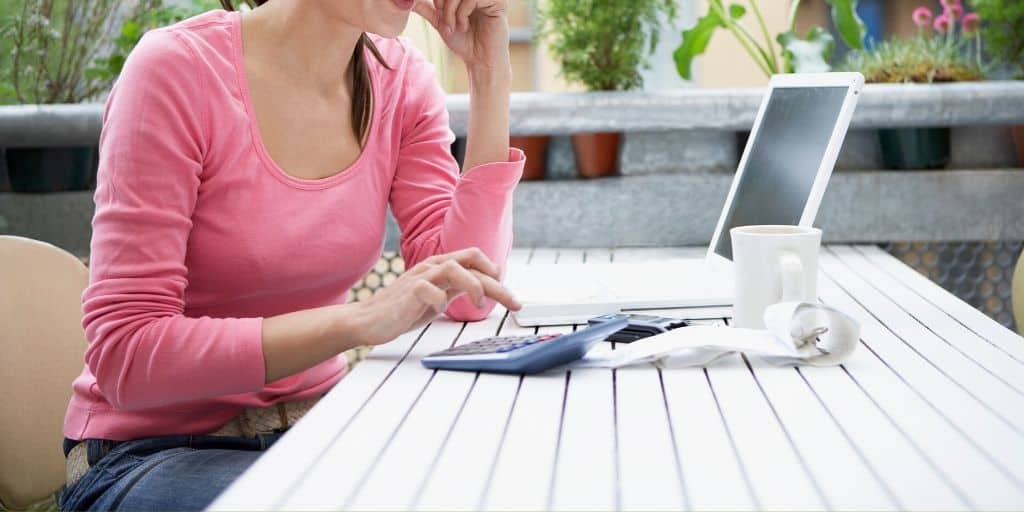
{"x":198,"y":235}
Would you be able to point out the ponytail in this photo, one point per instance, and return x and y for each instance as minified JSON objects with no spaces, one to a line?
{"x":362,"y":92}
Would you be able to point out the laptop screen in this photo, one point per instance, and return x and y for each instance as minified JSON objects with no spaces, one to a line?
{"x":783,"y":160}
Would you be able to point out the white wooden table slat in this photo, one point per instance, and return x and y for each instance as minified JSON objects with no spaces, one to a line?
{"x":308,"y":439}
{"x":927,"y":414}
{"x":968,"y":471}
{"x":912,"y":483}
{"x":459,"y":478}
{"x":413,"y":451}
{"x":341,"y":467}
{"x":951,"y":348}
{"x":521,"y":480}
{"x":983,"y":354}
{"x":779,"y":477}
{"x":586,"y":465}
{"x":711,"y":472}
{"x":649,"y":470}
{"x":843,"y":476}
{"x":957,"y":309}
{"x":945,"y":378}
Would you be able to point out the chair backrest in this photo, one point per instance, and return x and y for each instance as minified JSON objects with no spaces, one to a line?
{"x":1017,"y":294}
{"x":41,"y":352}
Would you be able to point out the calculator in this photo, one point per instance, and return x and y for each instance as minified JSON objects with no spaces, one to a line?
{"x":522,"y":354}
{"x":640,"y":326}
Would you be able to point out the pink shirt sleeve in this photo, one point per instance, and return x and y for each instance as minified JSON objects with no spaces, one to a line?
{"x":142,"y":349}
{"x":437,"y":210}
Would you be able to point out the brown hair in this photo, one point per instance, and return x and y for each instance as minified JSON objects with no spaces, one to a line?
{"x":361,"y":90}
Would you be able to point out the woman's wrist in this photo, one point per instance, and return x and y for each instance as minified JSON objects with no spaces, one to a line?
{"x":352,"y":326}
{"x":490,"y":78}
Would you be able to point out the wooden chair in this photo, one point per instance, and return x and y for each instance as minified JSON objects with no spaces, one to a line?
{"x":41,"y":351}
{"x":1017,"y":294}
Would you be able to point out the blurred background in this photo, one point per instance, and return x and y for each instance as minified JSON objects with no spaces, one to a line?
{"x":634,"y":114}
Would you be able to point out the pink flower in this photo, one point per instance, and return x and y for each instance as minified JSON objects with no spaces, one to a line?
{"x":942,"y":24}
{"x":922,"y":17}
{"x":954,"y":11}
{"x":971,"y":23}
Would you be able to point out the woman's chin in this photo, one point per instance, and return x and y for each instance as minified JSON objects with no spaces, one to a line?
{"x":392,"y":27}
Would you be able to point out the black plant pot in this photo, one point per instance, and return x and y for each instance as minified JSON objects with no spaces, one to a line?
{"x":915,"y":148}
{"x":39,"y":170}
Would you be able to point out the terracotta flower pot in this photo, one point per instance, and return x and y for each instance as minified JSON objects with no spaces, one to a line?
{"x":1018,"y":141}
{"x":536,"y":149}
{"x":597,"y":154}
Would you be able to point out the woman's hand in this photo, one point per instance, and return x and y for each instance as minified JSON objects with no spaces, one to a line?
{"x":424,"y":291}
{"x":475,"y":30}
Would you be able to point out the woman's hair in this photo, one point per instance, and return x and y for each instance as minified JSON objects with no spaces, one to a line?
{"x":361,"y":90}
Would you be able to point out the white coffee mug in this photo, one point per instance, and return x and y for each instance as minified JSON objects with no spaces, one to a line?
{"x":772,"y":264}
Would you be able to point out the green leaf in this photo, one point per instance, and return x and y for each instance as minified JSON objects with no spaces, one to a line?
{"x":131,"y":30}
{"x":696,"y":39}
{"x":695,"y":42}
{"x":115,"y":64}
{"x":809,"y":54}
{"x":848,"y":23}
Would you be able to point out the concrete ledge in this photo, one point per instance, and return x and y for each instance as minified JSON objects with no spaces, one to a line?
{"x":979,"y":103}
{"x":682,"y":209}
{"x":881,"y":105}
{"x":50,"y":125}
{"x":675,"y":209}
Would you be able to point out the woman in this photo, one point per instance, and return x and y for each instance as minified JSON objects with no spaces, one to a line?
{"x":247,"y":162}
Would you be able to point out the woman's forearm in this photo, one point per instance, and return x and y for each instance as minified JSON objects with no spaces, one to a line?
{"x":487,"y":138}
{"x":297,"y":341}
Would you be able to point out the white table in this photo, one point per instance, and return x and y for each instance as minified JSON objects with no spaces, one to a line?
{"x":928,"y":414}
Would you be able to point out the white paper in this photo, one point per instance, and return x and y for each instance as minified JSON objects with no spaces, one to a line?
{"x":797,"y":333}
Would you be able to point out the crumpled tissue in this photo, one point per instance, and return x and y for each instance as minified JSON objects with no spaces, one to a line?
{"x":797,"y":333}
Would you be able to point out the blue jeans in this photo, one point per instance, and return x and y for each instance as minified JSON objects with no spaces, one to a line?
{"x":161,"y":473}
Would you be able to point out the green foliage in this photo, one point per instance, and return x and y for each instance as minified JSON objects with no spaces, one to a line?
{"x":696,"y":39}
{"x":923,"y":59}
{"x":1003,"y":30}
{"x":849,"y":25}
{"x":8,"y":8}
{"x":601,"y":43}
{"x":54,"y":51}
{"x":147,"y":15}
{"x":810,"y":53}
{"x":52,"y":43}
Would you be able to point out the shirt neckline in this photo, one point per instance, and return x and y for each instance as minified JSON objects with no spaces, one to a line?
{"x":257,"y":137}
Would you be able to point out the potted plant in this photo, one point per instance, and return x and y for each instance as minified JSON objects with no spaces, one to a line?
{"x":535,"y":147}
{"x":795,"y":54}
{"x":603,"y":45}
{"x":52,"y":45}
{"x":939,"y":53}
{"x":1002,"y":30}
{"x":59,"y":55}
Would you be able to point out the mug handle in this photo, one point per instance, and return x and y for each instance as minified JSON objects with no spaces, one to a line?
{"x":792,"y":273}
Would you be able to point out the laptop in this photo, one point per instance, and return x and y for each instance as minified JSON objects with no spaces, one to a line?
{"x":781,"y":178}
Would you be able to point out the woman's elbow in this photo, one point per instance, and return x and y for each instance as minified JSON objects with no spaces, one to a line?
{"x":108,"y":359}
{"x":110,"y":380}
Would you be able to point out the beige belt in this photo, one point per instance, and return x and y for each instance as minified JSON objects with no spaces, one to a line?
{"x":250,"y":422}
